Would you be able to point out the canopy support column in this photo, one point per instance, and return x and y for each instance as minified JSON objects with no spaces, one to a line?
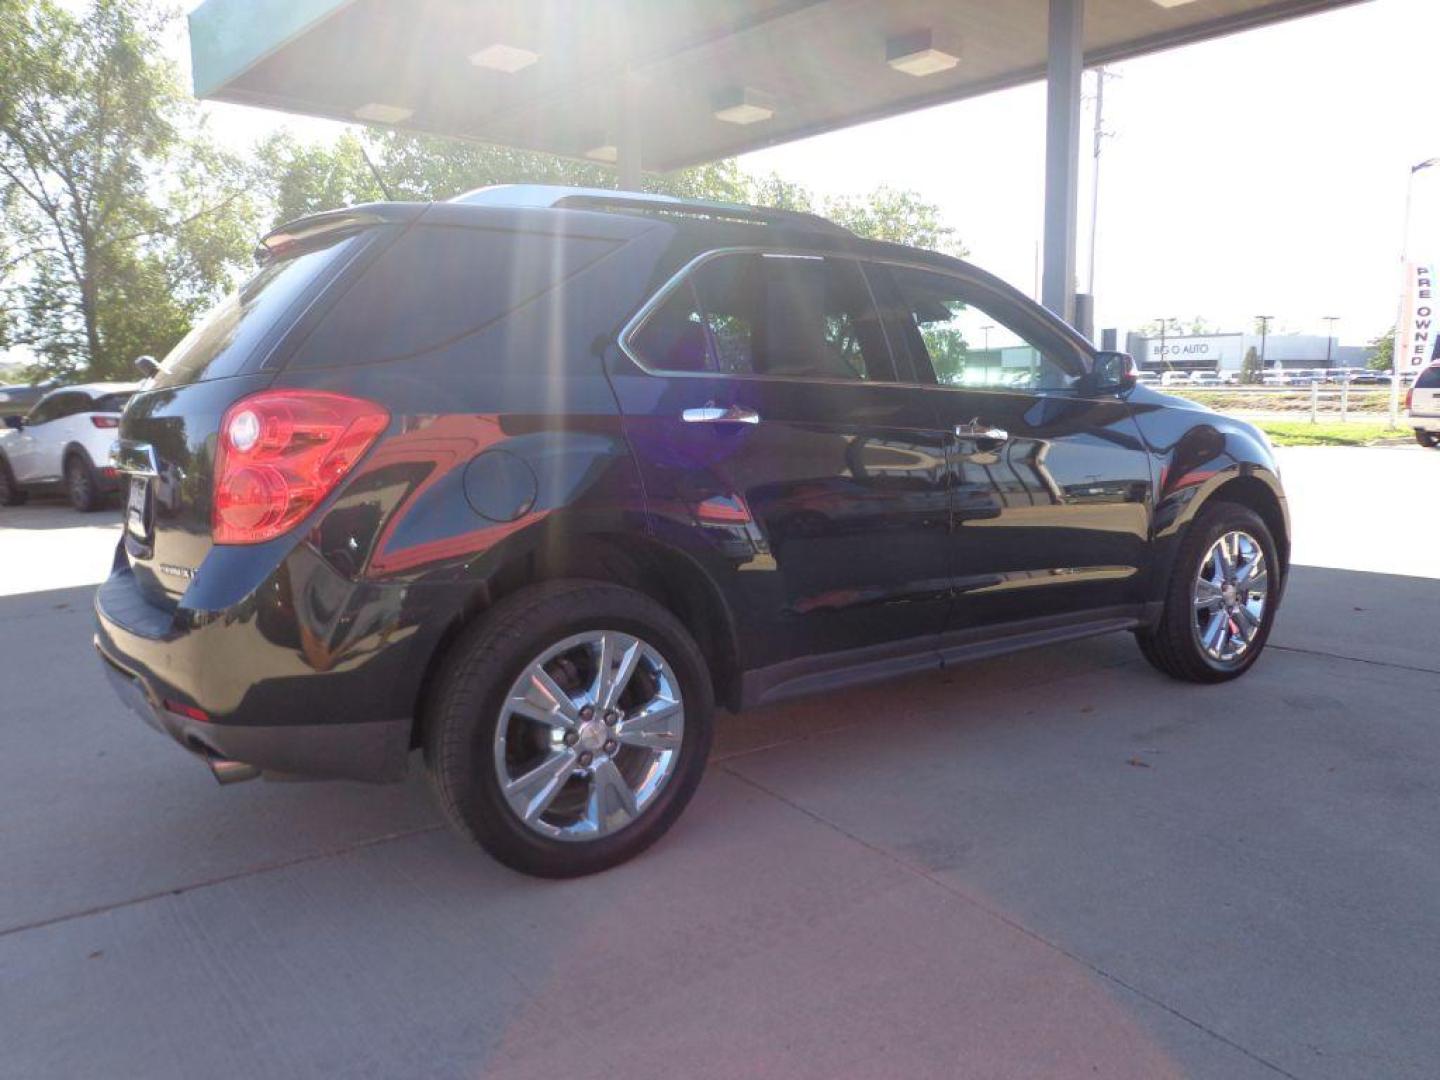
{"x":1062,"y":154}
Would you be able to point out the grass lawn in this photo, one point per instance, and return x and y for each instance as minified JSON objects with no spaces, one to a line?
{"x":1303,"y":433}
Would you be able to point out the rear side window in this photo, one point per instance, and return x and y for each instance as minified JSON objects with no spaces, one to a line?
{"x":439,"y":283}
{"x":1429,"y":379}
{"x":797,"y":316}
{"x":223,"y":342}
{"x":110,"y":403}
{"x":57,"y":406}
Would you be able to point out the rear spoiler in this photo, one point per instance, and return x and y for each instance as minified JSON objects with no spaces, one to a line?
{"x":304,"y":232}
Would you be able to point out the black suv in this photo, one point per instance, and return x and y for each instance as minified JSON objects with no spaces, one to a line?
{"x":535,"y":478}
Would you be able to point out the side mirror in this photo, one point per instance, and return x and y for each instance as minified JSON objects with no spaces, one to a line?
{"x":15,"y":423}
{"x":148,"y":366}
{"x":1113,"y":373}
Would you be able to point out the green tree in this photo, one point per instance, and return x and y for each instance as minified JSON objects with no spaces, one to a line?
{"x":123,"y":221}
{"x":305,"y":178}
{"x":1250,"y":370}
{"x":1383,"y":358}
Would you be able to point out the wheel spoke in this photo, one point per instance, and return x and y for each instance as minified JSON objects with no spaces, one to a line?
{"x":619,"y":653}
{"x":1249,"y":624}
{"x":1207,"y":594}
{"x":612,"y":803}
{"x":1216,"y":631}
{"x":1248,"y":570}
{"x":1258,"y":583}
{"x":652,"y":727}
{"x":532,"y":793}
{"x":541,"y":699}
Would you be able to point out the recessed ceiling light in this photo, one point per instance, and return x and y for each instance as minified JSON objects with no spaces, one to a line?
{"x":381,"y":113}
{"x":743,"y":105}
{"x":606,"y":152}
{"x":1173,"y":3}
{"x":506,"y":58}
{"x":919,"y":54}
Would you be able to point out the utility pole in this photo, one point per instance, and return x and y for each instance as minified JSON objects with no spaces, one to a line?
{"x":1330,"y":321}
{"x":1101,"y":74}
{"x":1169,"y":366}
{"x":1264,"y":331}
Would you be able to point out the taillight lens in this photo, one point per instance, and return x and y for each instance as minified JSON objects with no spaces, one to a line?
{"x":1409,"y":397}
{"x":280,"y":453}
{"x":105,"y":421}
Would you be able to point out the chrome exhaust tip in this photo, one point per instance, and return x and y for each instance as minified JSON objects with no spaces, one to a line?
{"x":231,"y":772}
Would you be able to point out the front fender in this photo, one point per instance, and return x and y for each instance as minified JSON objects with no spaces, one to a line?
{"x":1201,"y":456}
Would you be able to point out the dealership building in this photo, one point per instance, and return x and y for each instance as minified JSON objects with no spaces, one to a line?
{"x":1226,"y":352}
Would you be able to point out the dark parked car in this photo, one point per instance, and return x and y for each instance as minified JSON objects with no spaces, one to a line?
{"x":536,"y":478}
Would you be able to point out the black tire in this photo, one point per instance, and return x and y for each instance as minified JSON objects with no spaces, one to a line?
{"x":1171,"y":645}
{"x":82,"y":486}
{"x":464,"y":710}
{"x":1426,"y":438}
{"x":11,"y":493}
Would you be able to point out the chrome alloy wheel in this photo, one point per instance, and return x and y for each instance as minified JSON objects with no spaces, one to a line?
{"x":1230,"y":593}
{"x":588,"y":735}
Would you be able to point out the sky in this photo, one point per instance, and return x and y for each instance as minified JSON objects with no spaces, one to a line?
{"x":1262,"y":173}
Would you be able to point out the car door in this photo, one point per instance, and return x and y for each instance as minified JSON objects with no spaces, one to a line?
{"x":1050,"y":488}
{"x":27,"y":450}
{"x":778,"y":444}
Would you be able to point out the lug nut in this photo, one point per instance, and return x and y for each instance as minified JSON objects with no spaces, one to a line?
{"x":586,"y":758}
{"x":612,"y":717}
{"x":611,"y":746}
{"x":571,"y":738}
{"x":587,"y":712}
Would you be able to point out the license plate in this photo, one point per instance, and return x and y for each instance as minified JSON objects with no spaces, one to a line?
{"x":135,"y":507}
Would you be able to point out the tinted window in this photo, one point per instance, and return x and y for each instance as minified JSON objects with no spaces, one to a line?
{"x":1429,"y":379}
{"x":58,"y":406}
{"x":751,"y":314}
{"x":222,"y":342}
{"x":436,"y":284}
{"x":973,"y":336}
{"x":110,"y":403}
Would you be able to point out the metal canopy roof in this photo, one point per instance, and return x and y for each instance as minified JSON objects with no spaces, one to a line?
{"x":819,"y":64}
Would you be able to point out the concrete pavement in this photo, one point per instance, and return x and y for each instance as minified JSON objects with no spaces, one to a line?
{"x":1054,"y":864}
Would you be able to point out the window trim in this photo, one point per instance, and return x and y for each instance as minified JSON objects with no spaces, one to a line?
{"x":681,"y":276}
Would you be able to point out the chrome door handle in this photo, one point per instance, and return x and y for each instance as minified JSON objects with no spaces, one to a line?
{"x":713,"y":414}
{"x":983,"y":432}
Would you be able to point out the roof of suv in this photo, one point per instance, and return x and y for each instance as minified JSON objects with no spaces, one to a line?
{"x":98,"y":389}
{"x":535,"y":197}
{"x":552,"y":196}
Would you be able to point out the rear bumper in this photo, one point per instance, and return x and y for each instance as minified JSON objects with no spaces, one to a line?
{"x":364,"y":751}
{"x":1425,"y":422}
{"x":264,"y":707}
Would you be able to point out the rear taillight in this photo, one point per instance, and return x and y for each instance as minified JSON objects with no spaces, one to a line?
{"x":1409,"y":397}
{"x":280,"y":453}
{"x":105,"y":421}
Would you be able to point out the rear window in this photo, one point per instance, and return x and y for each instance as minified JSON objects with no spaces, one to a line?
{"x":224,"y":340}
{"x":439,"y":283}
{"x":1429,"y":379}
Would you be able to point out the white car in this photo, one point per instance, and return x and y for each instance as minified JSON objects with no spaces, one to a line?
{"x":65,"y":439}
{"x":1422,"y":402}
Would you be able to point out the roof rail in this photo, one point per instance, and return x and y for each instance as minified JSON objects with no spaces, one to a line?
{"x":583,"y":198}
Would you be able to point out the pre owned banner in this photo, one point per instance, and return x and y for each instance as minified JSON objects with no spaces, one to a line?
{"x":1417,"y":320}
